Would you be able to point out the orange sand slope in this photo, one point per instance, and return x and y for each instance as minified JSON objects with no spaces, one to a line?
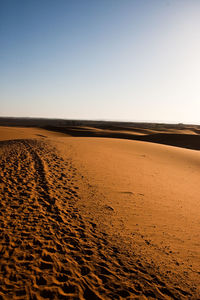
{"x":12,"y":133}
{"x":95,"y":218}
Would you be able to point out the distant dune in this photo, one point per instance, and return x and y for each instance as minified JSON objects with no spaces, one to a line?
{"x":99,"y":211}
{"x":179,"y":135}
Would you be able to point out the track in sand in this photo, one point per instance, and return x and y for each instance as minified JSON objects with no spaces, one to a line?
{"x":48,"y":250}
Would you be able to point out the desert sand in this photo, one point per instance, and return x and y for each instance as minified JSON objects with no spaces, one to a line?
{"x":90,"y":213}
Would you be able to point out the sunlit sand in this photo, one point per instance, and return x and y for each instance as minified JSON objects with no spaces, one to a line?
{"x":98,"y":218}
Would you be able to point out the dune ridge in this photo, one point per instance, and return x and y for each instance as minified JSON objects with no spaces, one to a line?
{"x":179,"y":135}
{"x":180,"y":138}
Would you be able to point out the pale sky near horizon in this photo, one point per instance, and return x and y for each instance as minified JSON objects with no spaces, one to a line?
{"x":101,"y":59}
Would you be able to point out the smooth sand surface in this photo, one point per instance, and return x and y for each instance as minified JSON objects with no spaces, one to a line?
{"x":12,"y":133}
{"x":97,"y":218}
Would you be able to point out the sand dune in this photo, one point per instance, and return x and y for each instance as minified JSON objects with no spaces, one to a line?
{"x":97,"y":218}
{"x":187,"y":137}
{"x":10,"y":133}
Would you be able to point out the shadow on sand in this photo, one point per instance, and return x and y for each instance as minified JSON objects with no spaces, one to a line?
{"x":188,"y":141}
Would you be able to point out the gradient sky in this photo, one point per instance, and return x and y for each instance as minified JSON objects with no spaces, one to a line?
{"x":101,"y":59}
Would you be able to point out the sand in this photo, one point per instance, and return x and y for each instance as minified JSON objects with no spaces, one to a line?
{"x":97,"y":218}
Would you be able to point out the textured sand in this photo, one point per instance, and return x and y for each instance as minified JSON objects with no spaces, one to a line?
{"x":95,"y":218}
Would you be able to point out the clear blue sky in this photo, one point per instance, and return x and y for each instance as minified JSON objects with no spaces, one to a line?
{"x":101,"y":59}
